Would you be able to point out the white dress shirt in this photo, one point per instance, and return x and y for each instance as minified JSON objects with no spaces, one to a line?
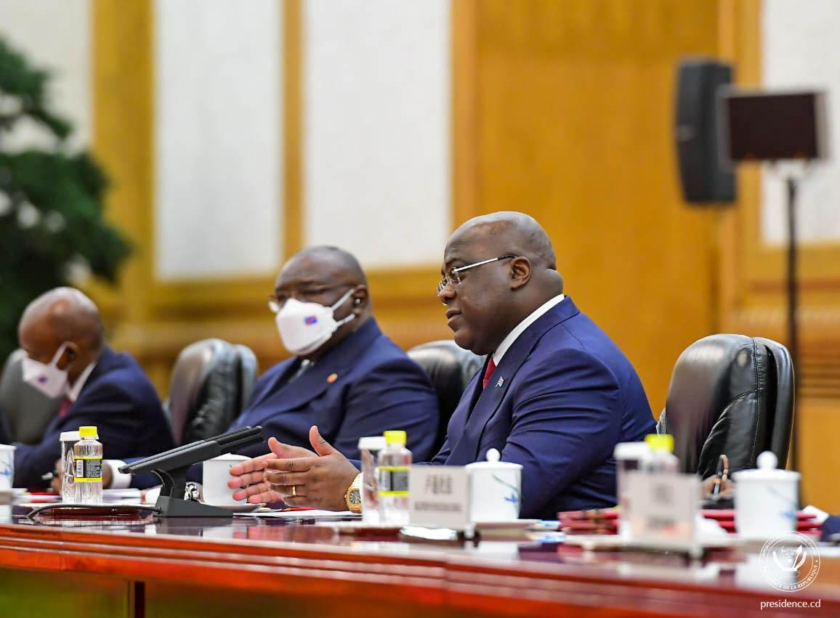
{"x":73,"y":391}
{"x":512,"y":336}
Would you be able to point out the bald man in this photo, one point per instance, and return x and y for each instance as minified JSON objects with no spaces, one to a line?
{"x":345,"y":375}
{"x":351,"y":381}
{"x":67,"y":357}
{"x":555,"y":394}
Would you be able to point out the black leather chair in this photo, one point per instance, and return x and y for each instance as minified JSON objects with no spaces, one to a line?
{"x":730,"y":395}
{"x":211,"y":382}
{"x":450,"y":368}
{"x":27,"y":412}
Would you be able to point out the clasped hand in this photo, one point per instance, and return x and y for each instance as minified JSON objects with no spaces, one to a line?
{"x":297,"y":476}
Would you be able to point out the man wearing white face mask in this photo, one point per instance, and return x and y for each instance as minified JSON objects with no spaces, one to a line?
{"x":61,"y":333}
{"x":346,"y":376}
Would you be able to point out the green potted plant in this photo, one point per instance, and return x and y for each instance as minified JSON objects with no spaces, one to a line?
{"x":52,"y":229}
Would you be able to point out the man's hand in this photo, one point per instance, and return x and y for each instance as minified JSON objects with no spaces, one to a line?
{"x":249,"y":475}
{"x":727,"y":488}
{"x":317,"y":481}
{"x":320,"y":479}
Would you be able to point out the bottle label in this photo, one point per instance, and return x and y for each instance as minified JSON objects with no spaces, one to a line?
{"x":88,"y":470}
{"x":393,"y":480}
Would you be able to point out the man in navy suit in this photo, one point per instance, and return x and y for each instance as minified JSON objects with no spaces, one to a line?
{"x":61,"y":332}
{"x":351,"y":381}
{"x":346,"y":376}
{"x":555,"y":395}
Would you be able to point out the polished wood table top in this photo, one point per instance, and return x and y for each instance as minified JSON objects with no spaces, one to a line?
{"x":301,"y":558}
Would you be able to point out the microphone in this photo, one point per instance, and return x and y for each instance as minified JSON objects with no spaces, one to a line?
{"x":171,"y":468}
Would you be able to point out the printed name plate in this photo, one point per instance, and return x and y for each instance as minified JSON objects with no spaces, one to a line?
{"x":663,"y":509}
{"x":438,"y":496}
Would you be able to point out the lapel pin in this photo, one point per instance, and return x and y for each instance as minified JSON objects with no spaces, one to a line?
{"x":500,"y":382}
{"x":332,"y":378}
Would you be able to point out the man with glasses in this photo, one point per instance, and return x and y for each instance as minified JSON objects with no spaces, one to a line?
{"x":555,"y":394}
{"x":346,"y":376}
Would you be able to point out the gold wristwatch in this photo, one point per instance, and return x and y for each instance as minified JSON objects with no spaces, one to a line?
{"x":353,"y":495}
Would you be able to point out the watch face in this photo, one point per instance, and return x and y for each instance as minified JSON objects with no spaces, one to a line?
{"x":355,"y":497}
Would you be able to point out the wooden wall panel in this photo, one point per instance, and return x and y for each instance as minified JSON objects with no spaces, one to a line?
{"x":573,"y":110}
{"x":753,"y":301}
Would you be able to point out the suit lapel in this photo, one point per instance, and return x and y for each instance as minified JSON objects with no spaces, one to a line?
{"x":487,"y":402}
{"x":283,"y":370}
{"x":103,"y":365}
{"x":312,"y":383}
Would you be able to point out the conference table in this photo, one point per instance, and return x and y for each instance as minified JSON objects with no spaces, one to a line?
{"x":245,"y":566}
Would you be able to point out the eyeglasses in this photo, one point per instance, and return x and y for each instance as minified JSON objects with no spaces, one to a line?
{"x":276,"y":301}
{"x":453,"y":278}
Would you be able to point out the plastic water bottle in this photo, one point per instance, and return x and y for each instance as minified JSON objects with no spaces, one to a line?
{"x":369,"y":449}
{"x":87,"y":454}
{"x":68,"y":481}
{"x":394,"y":461}
{"x":661,"y":459}
{"x":630,"y":457}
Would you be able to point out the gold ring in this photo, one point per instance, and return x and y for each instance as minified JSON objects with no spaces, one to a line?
{"x":294,"y":491}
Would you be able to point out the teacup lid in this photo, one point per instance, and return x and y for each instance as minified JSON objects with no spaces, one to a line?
{"x":493,"y":463}
{"x":68,"y":436}
{"x":766,"y":471}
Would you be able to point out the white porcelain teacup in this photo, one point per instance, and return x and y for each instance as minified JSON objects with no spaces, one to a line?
{"x":495,"y":489}
{"x":216,"y":474}
{"x":7,"y":466}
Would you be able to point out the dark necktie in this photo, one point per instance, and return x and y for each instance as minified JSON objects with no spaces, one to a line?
{"x":491,"y":367}
{"x":65,"y":405}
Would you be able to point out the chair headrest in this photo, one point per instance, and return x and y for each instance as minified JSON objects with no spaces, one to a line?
{"x":449,"y":367}
{"x":195,"y":365}
{"x":720,"y":401}
{"x":446,"y":363}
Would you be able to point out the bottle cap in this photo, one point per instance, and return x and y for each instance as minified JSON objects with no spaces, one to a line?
{"x":372,"y":443}
{"x":631,"y":451}
{"x":660,"y":442}
{"x":88,"y":432}
{"x":395,"y":437}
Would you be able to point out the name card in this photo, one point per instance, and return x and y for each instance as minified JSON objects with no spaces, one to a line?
{"x":438,"y":496}
{"x":663,"y":509}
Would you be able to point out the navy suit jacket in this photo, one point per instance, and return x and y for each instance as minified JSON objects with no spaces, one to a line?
{"x":362,"y":387}
{"x":559,"y":401}
{"x":120,"y":402}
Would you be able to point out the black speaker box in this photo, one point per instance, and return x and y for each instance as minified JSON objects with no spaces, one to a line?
{"x":702,"y":175}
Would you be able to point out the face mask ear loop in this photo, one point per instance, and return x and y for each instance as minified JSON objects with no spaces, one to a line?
{"x":58,"y":354}
{"x":341,"y":300}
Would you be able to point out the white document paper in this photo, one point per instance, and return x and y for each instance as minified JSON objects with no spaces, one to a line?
{"x":311,"y":514}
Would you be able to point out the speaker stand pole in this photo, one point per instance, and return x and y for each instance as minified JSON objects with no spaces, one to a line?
{"x":792,"y":308}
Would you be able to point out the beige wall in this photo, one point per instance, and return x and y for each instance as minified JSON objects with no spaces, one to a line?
{"x":53,"y":34}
